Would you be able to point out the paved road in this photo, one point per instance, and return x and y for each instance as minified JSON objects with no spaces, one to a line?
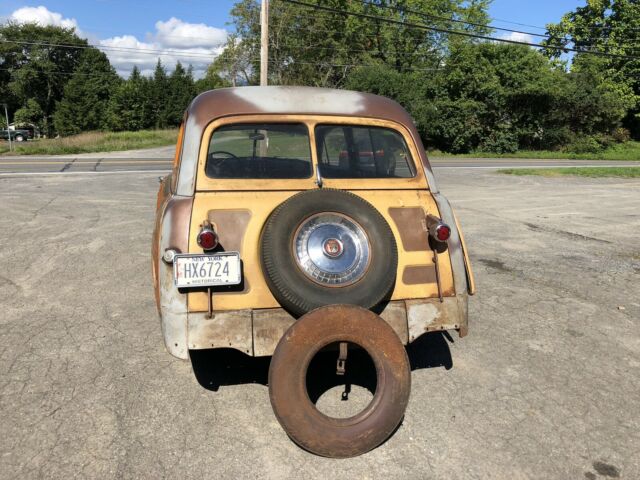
{"x":76,"y":165}
{"x":546,"y":385}
{"x":159,"y":161}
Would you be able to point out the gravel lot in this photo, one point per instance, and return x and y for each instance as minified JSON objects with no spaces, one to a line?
{"x":547,"y":384}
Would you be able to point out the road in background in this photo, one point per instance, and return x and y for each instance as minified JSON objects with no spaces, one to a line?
{"x":160,"y":160}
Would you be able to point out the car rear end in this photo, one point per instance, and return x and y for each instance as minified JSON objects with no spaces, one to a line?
{"x":269,"y":214}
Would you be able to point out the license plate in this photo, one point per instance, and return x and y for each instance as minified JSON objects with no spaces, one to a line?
{"x":207,"y":270}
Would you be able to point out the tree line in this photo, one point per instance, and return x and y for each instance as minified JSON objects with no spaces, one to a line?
{"x":464,"y":92}
{"x":51,"y":78}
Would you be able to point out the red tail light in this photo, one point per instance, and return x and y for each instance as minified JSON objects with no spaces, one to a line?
{"x":443,"y":232}
{"x":438,"y":230}
{"x":207,"y":238}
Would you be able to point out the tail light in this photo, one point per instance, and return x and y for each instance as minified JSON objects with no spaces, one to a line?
{"x":207,"y":238}
{"x":438,"y":230}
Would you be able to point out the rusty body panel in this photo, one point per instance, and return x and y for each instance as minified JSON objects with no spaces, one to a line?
{"x":172,"y":231}
{"x":248,"y":318}
{"x":257,"y":332}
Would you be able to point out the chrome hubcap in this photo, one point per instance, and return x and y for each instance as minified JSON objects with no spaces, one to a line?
{"x":332,"y":249}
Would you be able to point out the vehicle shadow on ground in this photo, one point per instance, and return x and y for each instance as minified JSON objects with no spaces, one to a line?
{"x":224,"y":367}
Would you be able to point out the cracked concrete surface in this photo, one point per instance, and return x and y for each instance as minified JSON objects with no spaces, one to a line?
{"x":546,"y":385}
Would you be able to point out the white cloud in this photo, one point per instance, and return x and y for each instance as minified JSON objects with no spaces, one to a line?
{"x":44,"y":17}
{"x":135,"y":52}
{"x":174,"y":40}
{"x":176,"y":33}
{"x":193,"y":44}
{"x":518,"y":37}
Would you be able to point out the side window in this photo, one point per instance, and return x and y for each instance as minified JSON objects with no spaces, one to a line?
{"x":346,"y":151}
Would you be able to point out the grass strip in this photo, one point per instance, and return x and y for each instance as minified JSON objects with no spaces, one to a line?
{"x":592,"y":172}
{"x":624,"y":151}
{"x":94,"y":142}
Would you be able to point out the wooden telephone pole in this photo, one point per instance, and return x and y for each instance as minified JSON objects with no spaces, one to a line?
{"x":264,"y":42}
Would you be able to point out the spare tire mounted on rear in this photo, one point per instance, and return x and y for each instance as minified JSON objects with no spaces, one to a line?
{"x":323,"y":247}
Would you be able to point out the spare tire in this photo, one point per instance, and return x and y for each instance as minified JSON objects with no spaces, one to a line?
{"x":303,"y":422}
{"x":328,"y":246}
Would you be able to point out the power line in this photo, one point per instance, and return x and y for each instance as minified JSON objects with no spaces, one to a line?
{"x":460,"y":33}
{"x":466,"y":22}
{"x":375,"y":36}
{"x":446,"y":19}
{"x":143,"y":51}
{"x":475,"y":24}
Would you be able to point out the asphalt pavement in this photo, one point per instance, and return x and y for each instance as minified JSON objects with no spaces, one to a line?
{"x":546,"y":385}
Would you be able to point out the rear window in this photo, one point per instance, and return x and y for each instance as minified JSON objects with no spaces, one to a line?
{"x":259,"y":151}
{"x":362,"y":152}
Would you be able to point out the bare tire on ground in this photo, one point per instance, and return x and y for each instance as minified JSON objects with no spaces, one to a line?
{"x":303,"y":422}
{"x":323,"y":247}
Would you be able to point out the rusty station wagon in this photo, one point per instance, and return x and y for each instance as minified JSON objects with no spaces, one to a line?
{"x":298,"y":219}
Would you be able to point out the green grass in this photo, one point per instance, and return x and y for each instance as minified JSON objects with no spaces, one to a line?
{"x":623,"y":151}
{"x":593,"y":172}
{"x":93,"y":142}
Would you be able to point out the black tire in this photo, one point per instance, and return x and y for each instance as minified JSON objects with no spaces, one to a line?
{"x":292,"y":288}
{"x":303,"y":422}
{"x":19,"y":138}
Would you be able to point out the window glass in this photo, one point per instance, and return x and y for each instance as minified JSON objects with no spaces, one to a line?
{"x":259,"y":151}
{"x":346,"y":151}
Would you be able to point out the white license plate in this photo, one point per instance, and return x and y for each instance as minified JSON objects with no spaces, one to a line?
{"x":207,"y":270}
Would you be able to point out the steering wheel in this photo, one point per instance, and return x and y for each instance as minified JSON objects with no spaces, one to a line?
{"x":218,"y":162}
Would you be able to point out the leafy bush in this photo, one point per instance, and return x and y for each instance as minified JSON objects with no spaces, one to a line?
{"x":621,"y":135}
{"x":500,"y":141}
{"x":584,"y":144}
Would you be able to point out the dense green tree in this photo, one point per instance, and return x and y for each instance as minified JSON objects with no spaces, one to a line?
{"x":608,"y":26}
{"x":181,"y":91}
{"x":31,"y":67}
{"x":233,"y":66}
{"x":31,"y":113}
{"x":159,"y":94}
{"x":86,"y":96}
{"x":500,"y":98}
{"x":130,"y":107}
{"x":212,"y":80}
{"x":313,"y":47}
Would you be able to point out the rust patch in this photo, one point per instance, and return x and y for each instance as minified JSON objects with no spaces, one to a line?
{"x":410,"y":222}
{"x":417,"y":274}
{"x":395,"y":314}
{"x":230,"y":329}
{"x":430,"y":315}
{"x":269,"y":325}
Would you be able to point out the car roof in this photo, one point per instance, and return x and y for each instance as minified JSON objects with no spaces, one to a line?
{"x":294,"y":100}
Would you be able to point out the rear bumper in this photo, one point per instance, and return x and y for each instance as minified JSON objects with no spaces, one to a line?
{"x":257,"y":332}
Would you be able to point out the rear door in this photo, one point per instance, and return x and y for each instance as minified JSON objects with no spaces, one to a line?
{"x":249,"y":165}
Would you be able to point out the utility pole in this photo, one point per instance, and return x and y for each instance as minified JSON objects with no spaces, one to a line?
{"x":264,"y":64}
{"x":6,"y":114}
{"x":264,"y":42}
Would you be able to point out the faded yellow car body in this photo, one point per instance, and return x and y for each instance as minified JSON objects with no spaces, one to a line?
{"x":249,"y":318}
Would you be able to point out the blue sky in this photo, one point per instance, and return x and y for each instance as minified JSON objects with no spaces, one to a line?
{"x":171,"y":25}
